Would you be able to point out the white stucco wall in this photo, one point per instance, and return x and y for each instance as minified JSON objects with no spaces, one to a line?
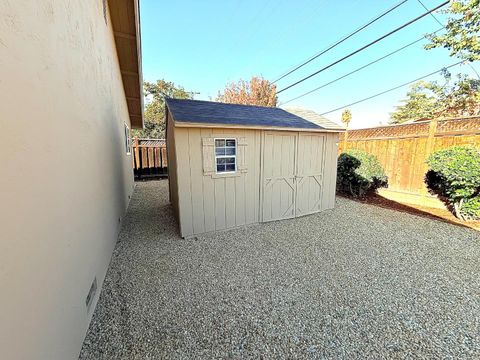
{"x":65,"y":179}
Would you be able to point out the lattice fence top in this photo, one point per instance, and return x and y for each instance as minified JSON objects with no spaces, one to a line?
{"x":462,"y":126}
{"x":417,"y":129}
{"x":151,"y":142}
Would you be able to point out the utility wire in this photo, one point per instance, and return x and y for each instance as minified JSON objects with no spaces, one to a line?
{"x":363,"y":47}
{"x":438,"y":21}
{"x":433,"y":16}
{"x":392,"y":89}
{"x":340,"y":41}
{"x":358,"y":69}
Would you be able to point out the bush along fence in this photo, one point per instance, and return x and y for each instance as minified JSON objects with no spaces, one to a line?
{"x":149,"y":157}
{"x":403,"y":150}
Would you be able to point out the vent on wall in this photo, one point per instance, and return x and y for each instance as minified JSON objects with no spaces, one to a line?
{"x":91,"y":294}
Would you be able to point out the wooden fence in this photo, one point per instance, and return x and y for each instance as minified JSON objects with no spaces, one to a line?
{"x":149,"y":158}
{"x":403,"y":149}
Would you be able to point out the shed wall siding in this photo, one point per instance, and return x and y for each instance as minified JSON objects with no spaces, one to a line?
{"x":330,"y":172}
{"x":172,"y":165}
{"x":208,"y":203}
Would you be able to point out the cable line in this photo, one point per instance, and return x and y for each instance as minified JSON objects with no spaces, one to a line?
{"x":358,"y":69}
{"x":394,"y":88}
{"x":363,"y":47}
{"x":341,"y":40}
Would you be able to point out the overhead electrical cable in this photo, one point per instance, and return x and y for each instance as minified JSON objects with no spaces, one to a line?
{"x":392,"y":89}
{"x":363,"y":47}
{"x":358,"y":69}
{"x":438,"y":21}
{"x":341,"y":40}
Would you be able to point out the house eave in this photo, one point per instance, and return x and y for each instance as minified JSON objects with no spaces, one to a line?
{"x":125,"y":18}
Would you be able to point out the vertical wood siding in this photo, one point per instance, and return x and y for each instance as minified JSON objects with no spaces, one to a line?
{"x":403,"y":149}
{"x":208,"y":203}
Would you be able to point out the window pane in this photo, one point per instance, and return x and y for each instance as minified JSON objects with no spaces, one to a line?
{"x":220,"y":151}
{"x":221,"y":161}
{"x":230,"y":151}
{"x":230,"y":167}
{"x":230,"y":160}
{"x":220,"y":168}
{"x":219,"y":142}
{"x":230,"y":142}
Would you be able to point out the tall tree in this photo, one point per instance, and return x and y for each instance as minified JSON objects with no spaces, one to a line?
{"x":257,"y":91}
{"x":155,"y":94}
{"x":463,"y":30}
{"x":460,"y":97}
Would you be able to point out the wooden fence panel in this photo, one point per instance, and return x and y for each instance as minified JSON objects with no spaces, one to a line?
{"x":403,"y":149}
{"x":149,"y":158}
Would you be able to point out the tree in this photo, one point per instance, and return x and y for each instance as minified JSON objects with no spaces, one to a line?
{"x":463,"y":30}
{"x":419,"y":104}
{"x":257,"y":91}
{"x":155,"y":94}
{"x":346,"y":117}
{"x":429,"y":99}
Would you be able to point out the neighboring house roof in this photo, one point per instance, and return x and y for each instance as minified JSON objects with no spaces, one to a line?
{"x":215,"y":113}
{"x":315,"y":118}
{"x":125,"y":18}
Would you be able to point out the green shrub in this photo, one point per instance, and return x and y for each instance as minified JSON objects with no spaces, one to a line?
{"x":359,"y":173}
{"x":454,"y":175}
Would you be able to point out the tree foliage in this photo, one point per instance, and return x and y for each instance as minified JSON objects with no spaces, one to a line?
{"x":155,"y":94}
{"x":346,"y":117}
{"x":455,"y":98}
{"x":454,"y":174}
{"x":359,"y":173}
{"x":257,"y":91}
{"x":463,"y":30}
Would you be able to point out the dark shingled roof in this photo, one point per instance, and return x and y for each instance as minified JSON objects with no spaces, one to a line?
{"x":210,"y":112}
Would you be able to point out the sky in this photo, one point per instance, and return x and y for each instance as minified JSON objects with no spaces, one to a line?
{"x":204,"y":44}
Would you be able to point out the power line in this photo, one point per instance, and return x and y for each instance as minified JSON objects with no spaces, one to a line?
{"x":438,"y":21}
{"x":392,"y":89}
{"x":363,"y":47}
{"x":340,"y":41}
{"x":358,"y":69}
{"x":433,"y":16}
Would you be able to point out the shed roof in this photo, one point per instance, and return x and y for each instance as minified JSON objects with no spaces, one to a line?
{"x":209,"y":112}
{"x":315,"y":118}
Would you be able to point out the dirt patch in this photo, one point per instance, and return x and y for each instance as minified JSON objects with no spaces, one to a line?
{"x":429,"y":212}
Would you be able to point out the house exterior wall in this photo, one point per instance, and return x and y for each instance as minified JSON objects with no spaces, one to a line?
{"x":66,"y":179}
{"x":208,"y":202}
{"x":215,"y":202}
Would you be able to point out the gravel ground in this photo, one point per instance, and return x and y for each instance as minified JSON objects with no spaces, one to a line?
{"x":355,"y":282}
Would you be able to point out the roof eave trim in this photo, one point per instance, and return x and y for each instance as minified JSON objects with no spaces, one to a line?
{"x":188,"y":124}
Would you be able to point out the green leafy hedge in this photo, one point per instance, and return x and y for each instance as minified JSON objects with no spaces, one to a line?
{"x":359,"y":173}
{"x":454,"y":175}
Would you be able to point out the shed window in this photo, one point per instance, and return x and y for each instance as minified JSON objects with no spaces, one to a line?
{"x":226,"y":155}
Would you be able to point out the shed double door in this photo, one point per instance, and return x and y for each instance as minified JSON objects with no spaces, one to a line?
{"x":292,"y":181}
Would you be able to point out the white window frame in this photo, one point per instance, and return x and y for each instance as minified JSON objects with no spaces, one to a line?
{"x":128,"y":141}
{"x":225,"y":156}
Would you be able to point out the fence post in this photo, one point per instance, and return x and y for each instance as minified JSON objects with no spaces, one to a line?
{"x":345,"y":139}
{"x":432,"y":129}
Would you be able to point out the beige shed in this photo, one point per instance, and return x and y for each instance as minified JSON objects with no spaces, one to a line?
{"x":231,"y":165}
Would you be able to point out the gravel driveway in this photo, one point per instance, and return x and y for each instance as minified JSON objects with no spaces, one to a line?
{"x":355,"y":282}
